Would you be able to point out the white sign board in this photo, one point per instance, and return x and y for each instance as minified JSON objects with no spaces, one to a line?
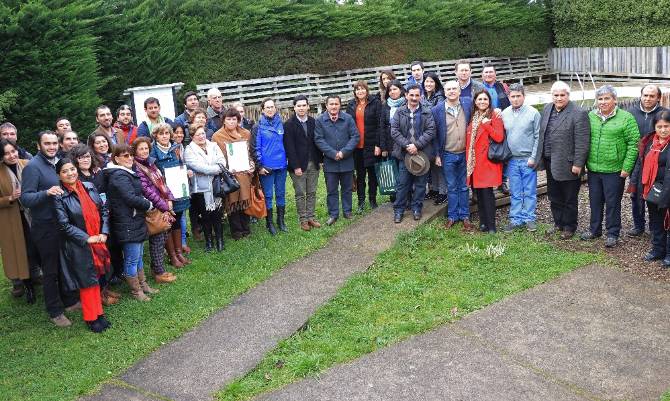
{"x":164,"y":94}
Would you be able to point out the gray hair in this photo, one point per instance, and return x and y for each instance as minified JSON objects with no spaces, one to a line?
{"x":606,"y":90}
{"x":8,"y":126}
{"x":517,"y":87}
{"x":237,"y":104}
{"x":160,"y":127}
{"x":560,"y":86}
{"x":213,"y":92}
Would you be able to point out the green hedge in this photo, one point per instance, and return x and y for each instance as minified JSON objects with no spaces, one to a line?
{"x":603,"y":23}
{"x":76,"y":54}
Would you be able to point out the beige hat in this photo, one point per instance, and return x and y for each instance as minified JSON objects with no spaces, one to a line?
{"x":417,"y":164}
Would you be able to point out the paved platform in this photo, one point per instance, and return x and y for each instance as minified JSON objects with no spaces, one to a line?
{"x":235,"y":339}
{"x":594,"y":334}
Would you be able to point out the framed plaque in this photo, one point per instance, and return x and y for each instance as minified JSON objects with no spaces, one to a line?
{"x":177,"y":181}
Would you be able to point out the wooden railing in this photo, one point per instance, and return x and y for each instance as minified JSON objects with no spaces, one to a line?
{"x":317,"y":86}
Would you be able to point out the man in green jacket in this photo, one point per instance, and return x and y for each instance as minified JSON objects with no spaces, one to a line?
{"x":614,"y":138}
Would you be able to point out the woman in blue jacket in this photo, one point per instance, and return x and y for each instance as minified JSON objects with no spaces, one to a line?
{"x":268,"y":136}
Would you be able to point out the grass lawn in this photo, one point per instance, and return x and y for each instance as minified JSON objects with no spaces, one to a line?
{"x":42,"y":362}
{"x":666,"y":396}
{"x":430,"y":277}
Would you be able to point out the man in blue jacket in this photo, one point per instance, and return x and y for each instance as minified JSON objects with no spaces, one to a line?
{"x":152,"y":108}
{"x":336,"y":135}
{"x":39,"y":185}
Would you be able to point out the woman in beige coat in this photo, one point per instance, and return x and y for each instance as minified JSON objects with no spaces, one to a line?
{"x":13,"y":242}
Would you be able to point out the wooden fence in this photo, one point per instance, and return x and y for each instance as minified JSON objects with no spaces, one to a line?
{"x":612,"y":63}
{"x":318,"y":86}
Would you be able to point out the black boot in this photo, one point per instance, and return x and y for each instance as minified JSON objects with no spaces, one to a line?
{"x":281,"y":210}
{"x":29,"y":291}
{"x":207,"y":232}
{"x":218,"y":233}
{"x":269,"y":224}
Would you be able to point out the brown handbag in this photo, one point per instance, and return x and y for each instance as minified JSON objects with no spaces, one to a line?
{"x":157,"y":221}
{"x":257,"y":200}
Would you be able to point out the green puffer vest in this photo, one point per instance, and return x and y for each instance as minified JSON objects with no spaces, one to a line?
{"x":613,"y":143}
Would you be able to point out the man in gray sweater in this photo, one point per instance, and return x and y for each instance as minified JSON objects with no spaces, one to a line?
{"x":522,"y":126}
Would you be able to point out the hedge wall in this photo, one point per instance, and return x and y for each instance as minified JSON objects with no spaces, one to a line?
{"x":77,"y":53}
{"x":604,"y":23}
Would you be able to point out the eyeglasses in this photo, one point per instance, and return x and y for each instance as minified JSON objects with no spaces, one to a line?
{"x":86,"y":156}
{"x":126,"y":156}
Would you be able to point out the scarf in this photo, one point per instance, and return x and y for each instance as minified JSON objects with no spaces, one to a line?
{"x":129,"y":131}
{"x":239,"y":200}
{"x":164,"y":149}
{"x":650,"y":166}
{"x":208,"y":157}
{"x":150,"y":125}
{"x":476,"y":120}
{"x":154,"y":175}
{"x":89,"y":210}
{"x":395,"y":104}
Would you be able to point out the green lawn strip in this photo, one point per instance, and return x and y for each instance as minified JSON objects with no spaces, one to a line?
{"x":429,"y":277}
{"x":42,"y":362}
{"x":666,"y":396}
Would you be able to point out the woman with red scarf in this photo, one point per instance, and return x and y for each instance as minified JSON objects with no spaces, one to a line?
{"x":84,"y":222}
{"x":655,"y":186}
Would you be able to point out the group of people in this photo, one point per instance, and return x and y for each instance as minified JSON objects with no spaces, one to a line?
{"x":81,"y":212}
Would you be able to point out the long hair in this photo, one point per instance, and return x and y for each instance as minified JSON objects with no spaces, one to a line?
{"x":436,"y":79}
{"x":487,"y":113}
{"x":382,"y":89}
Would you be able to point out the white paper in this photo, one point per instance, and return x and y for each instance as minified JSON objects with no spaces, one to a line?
{"x":238,"y":156}
{"x":177,"y":181}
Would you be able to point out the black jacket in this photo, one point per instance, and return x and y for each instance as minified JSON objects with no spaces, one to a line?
{"x":372,"y":127}
{"x":298,"y":146}
{"x":385,"y":140}
{"x":636,"y":177}
{"x":126,"y":204}
{"x":75,"y":253}
{"x":423,"y":137}
{"x":38,"y":176}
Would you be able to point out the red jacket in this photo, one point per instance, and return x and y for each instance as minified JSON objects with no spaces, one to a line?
{"x":486,"y":174}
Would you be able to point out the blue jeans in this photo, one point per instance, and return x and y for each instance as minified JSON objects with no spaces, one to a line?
{"x":275,"y":181}
{"x":132,"y":258}
{"x":454,"y":169}
{"x":523,"y":191}
{"x":184,"y":228}
{"x":404,"y":186}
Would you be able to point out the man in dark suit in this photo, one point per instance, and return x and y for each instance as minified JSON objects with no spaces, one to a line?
{"x":303,"y":161}
{"x":336,"y":135}
{"x":563,"y":148}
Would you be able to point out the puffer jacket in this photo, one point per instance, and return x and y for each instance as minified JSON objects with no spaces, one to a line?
{"x":268,"y":142}
{"x":149,"y":189}
{"x":613,"y":143}
{"x":127,"y":205}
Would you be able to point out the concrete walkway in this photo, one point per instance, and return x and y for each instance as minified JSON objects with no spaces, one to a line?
{"x":594,"y":334}
{"x":234,"y":340}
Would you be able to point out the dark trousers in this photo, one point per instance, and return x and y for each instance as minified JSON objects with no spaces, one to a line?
{"x":563,"y":200}
{"x":339,"y":185}
{"x":48,"y":241}
{"x":486,"y":207}
{"x":116,"y":256}
{"x":209,"y":218}
{"x":659,"y":235}
{"x":404,"y":189}
{"x":239,"y":224}
{"x":361,"y":171}
{"x":637,"y":204}
{"x":605,"y":189}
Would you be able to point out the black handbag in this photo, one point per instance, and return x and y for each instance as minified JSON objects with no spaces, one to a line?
{"x":499,"y":152}
{"x":224,"y":183}
{"x":654,"y":195}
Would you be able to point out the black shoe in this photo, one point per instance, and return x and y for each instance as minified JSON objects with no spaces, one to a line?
{"x":281,"y":223}
{"x":417,"y":215}
{"x":361,"y":206}
{"x":373,"y":204}
{"x":96,"y":326}
{"x":18,"y":290}
{"x":331,"y":220}
{"x":209,"y":242}
{"x":397,"y":218}
{"x":29,"y":291}
{"x":504,"y":188}
{"x":611,"y":242}
{"x":269,"y":224}
{"x":440,"y":199}
{"x":104,"y":321}
{"x":588,"y":235}
{"x":666,"y":262}
{"x":430,"y":195}
{"x":636,"y":232}
{"x":651,"y":256}
{"x":347,"y":215}
{"x":218,"y":235}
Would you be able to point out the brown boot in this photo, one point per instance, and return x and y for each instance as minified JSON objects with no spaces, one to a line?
{"x":143,"y":283}
{"x":164,"y":278}
{"x":136,"y":289}
{"x":107,"y":299}
{"x":172,"y":253}
{"x":175,"y":235}
{"x":111,"y":293}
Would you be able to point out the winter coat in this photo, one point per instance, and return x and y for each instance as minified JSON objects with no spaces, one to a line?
{"x":204,"y":166}
{"x":149,"y":189}
{"x":38,"y":176}
{"x":385,"y":140}
{"x":173,"y":158}
{"x":12,"y":241}
{"x":268,"y":142}
{"x":371,"y":120}
{"x":423,"y":137}
{"x":440,"y":117}
{"x":300,"y":144}
{"x":613,"y":143}
{"x":569,"y":141}
{"x":643,"y":148}
{"x":501,"y":94}
{"x":434,"y":99}
{"x":76,"y":259}
{"x":645,"y":120}
{"x":332,"y":137}
{"x":486,"y":174}
{"x":127,"y":205}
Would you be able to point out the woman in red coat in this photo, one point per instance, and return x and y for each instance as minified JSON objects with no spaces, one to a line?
{"x":482,"y":174}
